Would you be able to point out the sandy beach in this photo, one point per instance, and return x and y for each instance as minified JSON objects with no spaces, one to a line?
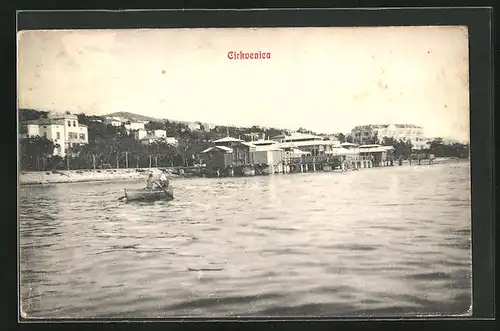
{"x":73,"y":176}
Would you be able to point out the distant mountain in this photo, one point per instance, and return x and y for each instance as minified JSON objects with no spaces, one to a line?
{"x":136,"y":117}
{"x":133,"y":117}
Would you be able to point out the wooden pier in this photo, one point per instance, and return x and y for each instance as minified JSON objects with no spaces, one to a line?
{"x":331,"y":163}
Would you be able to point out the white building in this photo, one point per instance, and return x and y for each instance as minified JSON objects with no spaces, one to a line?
{"x":148,"y":138}
{"x":207,"y":127}
{"x":63,"y":130}
{"x":171,"y":141}
{"x":365,"y":134}
{"x":140,"y":134}
{"x":269,"y":153}
{"x":194,"y":126}
{"x":133,"y":126}
{"x":296,"y":136}
{"x":160,"y":133}
{"x":421,"y":143}
{"x":114,"y":121}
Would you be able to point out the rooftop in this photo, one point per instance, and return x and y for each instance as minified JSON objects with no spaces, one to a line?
{"x":308,"y":143}
{"x":287,"y":145}
{"x":297,"y":136}
{"x":246,"y":143}
{"x":227,"y":140}
{"x":346,"y":144}
{"x":369,"y":145}
{"x":223,"y":148}
{"x":263,"y":142}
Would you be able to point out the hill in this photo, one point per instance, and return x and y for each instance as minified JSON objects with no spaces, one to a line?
{"x":133,"y":117}
{"x":137,"y":117}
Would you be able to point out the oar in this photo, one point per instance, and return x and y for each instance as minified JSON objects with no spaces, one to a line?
{"x":163,"y":189}
{"x":123,"y":197}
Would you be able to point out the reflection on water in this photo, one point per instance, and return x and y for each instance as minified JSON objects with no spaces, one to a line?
{"x":376,"y":242}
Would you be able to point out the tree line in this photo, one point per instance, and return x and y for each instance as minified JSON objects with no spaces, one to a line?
{"x":113,"y":147}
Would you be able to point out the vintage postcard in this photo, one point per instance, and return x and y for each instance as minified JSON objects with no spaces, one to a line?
{"x":244,"y":172}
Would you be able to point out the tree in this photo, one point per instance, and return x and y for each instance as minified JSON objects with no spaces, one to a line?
{"x":409,"y":145}
{"x":26,"y":115}
{"x":388,"y":141}
{"x":151,"y":126}
{"x":341,"y":137}
{"x":34,"y":152}
{"x":437,"y":147}
{"x":402,"y":148}
{"x":55,"y":162}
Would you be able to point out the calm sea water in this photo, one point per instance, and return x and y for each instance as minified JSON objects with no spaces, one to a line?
{"x":381,"y":241}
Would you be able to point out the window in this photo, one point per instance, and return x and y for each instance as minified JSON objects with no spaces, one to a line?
{"x":69,"y":123}
{"x":74,"y":123}
{"x":58,"y":135}
{"x":82,"y":136}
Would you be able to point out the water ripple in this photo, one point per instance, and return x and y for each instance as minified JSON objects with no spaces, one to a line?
{"x":312,"y":244}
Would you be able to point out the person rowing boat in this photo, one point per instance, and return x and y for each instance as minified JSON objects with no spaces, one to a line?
{"x":162,"y":182}
{"x":154,"y":190}
{"x":150,"y":183}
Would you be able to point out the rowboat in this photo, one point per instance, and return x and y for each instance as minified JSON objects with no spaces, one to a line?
{"x":148,"y":194}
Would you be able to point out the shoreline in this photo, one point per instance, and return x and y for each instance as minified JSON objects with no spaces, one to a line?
{"x":81,"y":176}
{"x":27,"y":178}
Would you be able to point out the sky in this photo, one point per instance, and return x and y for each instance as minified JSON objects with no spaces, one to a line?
{"x":323,"y":79}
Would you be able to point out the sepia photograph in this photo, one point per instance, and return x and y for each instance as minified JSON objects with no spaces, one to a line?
{"x":244,"y":172}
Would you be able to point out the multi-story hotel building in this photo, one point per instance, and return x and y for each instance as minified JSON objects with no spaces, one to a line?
{"x":365,"y":134}
{"x":63,"y":130}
